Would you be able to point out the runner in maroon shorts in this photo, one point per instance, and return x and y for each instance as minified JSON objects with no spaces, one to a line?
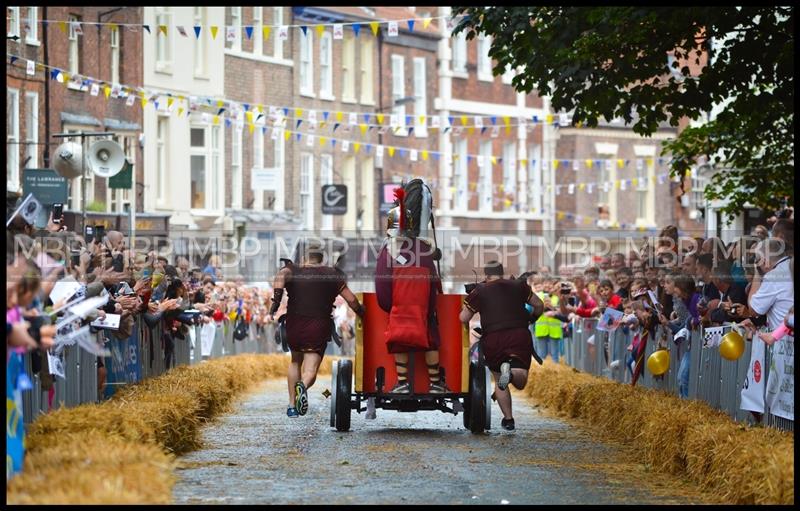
{"x":505,"y":339}
{"x":312,"y":289}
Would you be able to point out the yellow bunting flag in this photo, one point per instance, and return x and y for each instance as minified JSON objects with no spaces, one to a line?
{"x":298,"y":112}
{"x":374,"y":26}
{"x":114,"y":26}
{"x":249,"y":116}
{"x":620,"y":162}
{"x":356,"y":147}
{"x":501,"y":188}
{"x":380,"y":118}
{"x":339,"y":116}
{"x":555,"y":164}
{"x":162,"y":29}
{"x":549,"y":119}
{"x":463,"y":120}
{"x":265,"y":30}
{"x":214,"y":29}
{"x":635,"y":181}
{"x":251,"y":128}
{"x":169,"y":102}
{"x":494,"y":160}
{"x":422,"y":119}
{"x":220,"y":103}
{"x":471,"y":130}
{"x":107,"y":91}
{"x":616,"y":183}
{"x":472,"y":186}
{"x":587,"y":220}
{"x":363,"y":128}
{"x":649,"y":162}
{"x":507,"y":120}
{"x":320,"y":29}
{"x":65,"y":77}
{"x":588,"y":164}
{"x":508,"y":203}
{"x":144,"y":101}
{"x":322,"y":141}
{"x":391,"y":152}
{"x":425,"y":155}
{"x":560,"y":215}
{"x":523,"y":162}
{"x":287,"y":135}
{"x":322,"y":124}
{"x":216,"y":119}
{"x":180,"y":111}
{"x":63,"y":26}
{"x":426,"y":21}
{"x":581,"y":186}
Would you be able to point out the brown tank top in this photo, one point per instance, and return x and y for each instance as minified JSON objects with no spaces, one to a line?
{"x":313,"y":289}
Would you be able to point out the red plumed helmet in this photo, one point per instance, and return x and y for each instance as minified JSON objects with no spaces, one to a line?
{"x":400,"y":197}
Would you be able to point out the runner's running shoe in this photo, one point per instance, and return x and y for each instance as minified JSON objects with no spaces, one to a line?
{"x":507,"y":424}
{"x":291,"y":412}
{"x":301,"y":398}
{"x":505,"y":376}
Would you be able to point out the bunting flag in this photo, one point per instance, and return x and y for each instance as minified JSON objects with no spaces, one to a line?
{"x":249,"y":32}
{"x":265,"y":31}
{"x":320,"y":29}
{"x":197,"y":32}
{"x":63,"y":26}
{"x":374,"y":25}
{"x":163,"y":29}
{"x":107,"y":91}
{"x":214,"y":29}
{"x":304,"y":28}
{"x":147,"y":27}
{"x":426,"y":21}
{"x":182,"y":31}
{"x":356,"y":28}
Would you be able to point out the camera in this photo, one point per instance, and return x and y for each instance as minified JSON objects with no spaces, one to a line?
{"x":58,"y":211}
{"x":565,"y":288}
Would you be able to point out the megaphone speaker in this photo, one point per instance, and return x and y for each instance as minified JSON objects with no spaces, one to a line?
{"x":106,"y":158}
{"x":67,"y":161}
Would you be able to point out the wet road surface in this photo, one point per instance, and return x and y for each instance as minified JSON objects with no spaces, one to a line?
{"x":257,"y":455}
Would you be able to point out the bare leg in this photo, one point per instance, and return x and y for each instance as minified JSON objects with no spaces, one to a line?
{"x":432,"y":361}
{"x":401,"y":364}
{"x":311,"y":363}
{"x":294,"y":374}
{"x":503,"y":397}
{"x":519,"y":378}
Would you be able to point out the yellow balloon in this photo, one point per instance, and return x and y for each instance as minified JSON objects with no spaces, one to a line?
{"x":658,"y":362}
{"x":732,"y":345}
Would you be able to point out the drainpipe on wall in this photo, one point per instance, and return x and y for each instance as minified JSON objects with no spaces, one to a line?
{"x":45,"y":48}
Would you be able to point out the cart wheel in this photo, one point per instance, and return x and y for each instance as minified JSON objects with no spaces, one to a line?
{"x":344,"y":385}
{"x":334,"y":373}
{"x":468,"y":399}
{"x":478,"y":409}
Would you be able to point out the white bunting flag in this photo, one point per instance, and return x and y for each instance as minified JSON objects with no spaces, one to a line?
{"x":115,"y":90}
{"x":639,"y":164}
{"x":353,"y":118}
{"x":393,"y":120}
{"x":575,"y":165}
{"x":479,"y":159}
{"x":274,"y":134}
{"x":309,"y":140}
{"x":622,"y":184}
{"x":589,"y":188}
{"x":571,"y":189}
{"x":130,"y":100}
{"x":451,"y":24}
{"x":495,"y":131}
{"x":413,"y":155}
{"x":558,"y":189}
{"x":379,"y":161}
{"x":609,"y":165}
{"x":436,"y":121}
{"x":230,"y":33}
{"x":458,"y":131}
{"x":205,"y":118}
{"x":283,"y":33}
{"x":393,"y":29}
{"x":182,"y":31}
{"x":605,"y":187}
{"x":345,"y":146}
{"x":312,"y":116}
{"x":31,"y":68}
{"x":76,"y":27}
{"x":478,"y":121}
{"x":338,"y":31}
{"x":448,"y":158}
{"x":312,"y":126}
{"x":95,"y":90}
{"x":379,"y":151}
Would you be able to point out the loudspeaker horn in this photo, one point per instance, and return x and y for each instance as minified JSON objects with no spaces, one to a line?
{"x":106,"y":158}
{"x":67,"y":160}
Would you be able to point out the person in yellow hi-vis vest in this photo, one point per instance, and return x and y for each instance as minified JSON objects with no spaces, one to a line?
{"x":547,"y":330}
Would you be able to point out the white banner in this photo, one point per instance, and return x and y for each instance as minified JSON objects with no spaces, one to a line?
{"x":753,"y":386}
{"x":780,"y":384}
{"x":207,"y":333}
{"x":265,"y":179}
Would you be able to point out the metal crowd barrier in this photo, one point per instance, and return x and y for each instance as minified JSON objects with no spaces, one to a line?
{"x":712,"y":378}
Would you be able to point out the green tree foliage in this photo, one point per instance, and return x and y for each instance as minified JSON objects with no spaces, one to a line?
{"x":614,"y":62}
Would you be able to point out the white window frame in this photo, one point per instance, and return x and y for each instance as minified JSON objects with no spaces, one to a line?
{"x":236,"y":168}
{"x":12,"y":140}
{"x":74,"y":185}
{"x":258,"y":38}
{"x":399,"y":91}
{"x":326,"y":66}
{"x":326,"y":178}
{"x":13,"y":22}
{"x":277,"y":21}
{"x":32,"y":129}
{"x":698,"y":184}
{"x":367,"y":73}
{"x":484,"y":61}
{"x":162,"y":158}
{"x":163,"y":42}
{"x":485,"y":180}
{"x":645,"y":193}
{"x":217,"y":184}
{"x":307,"y":190}
{"x":74,"y":49}
{"x":510,"y":168}
{"x":279,"y":163}
{"x":421,"y":97}
{"x":306,"y":57}
{"x":115,"y":46}
{"x":118,"y":198}
{"x":214,"y":187}
{"x":200,"y":43}
{"x":32,"y":34}
{"x":236,"y":23}
{"x":535,"y":178}
{"x":258,"y":164}
{"x":348,"y":69}
{"x":460,"y":55}
{"x":508,"y":75}
{"x":461,"y":201}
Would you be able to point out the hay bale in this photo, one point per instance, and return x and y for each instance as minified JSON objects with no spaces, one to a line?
{"x":733,"y":461}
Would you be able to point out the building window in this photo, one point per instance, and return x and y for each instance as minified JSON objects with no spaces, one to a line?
{"x":641,"y":190}
{"x":367,"y":79}
{"x":398,"y":91}
{"x":604,"y":183}
{"x":535,"y":178}
{"x":510,"y":169}
{"x":200,"y":42}
{"x":484,"y":61}
{"x":461,"y":199}
{"x":277,"y":16}
{"x":206,"y":186}
{"x":31,"y":26}
{"x":216,"y":183}
{"x":306,"y":63}
{"x":236,"y":168}
{"x":13,"y":22}
{"x":485,"y":193}
{"x":258,"y":38}
{"x":162,"y":157}
{"x":348,"y":70}
{"x":163,"y":43}
{"x":31,"y":130}
{"x":278,"y":163}
{"x":12,"y":139}
{"x":74,"y":42}
{"x":306,"y":190}
{"x":698,"y":198}
{"x":258,"y":163}
{"x":120,"y":201}
{"x":420,"y":98}
{"x":508,"y":75}
{"x":460,"y":53}
{"x":325,"y":65}
{"x":115,"y":55}
{"x":326,"y":178}
{"x":236,"y":23}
